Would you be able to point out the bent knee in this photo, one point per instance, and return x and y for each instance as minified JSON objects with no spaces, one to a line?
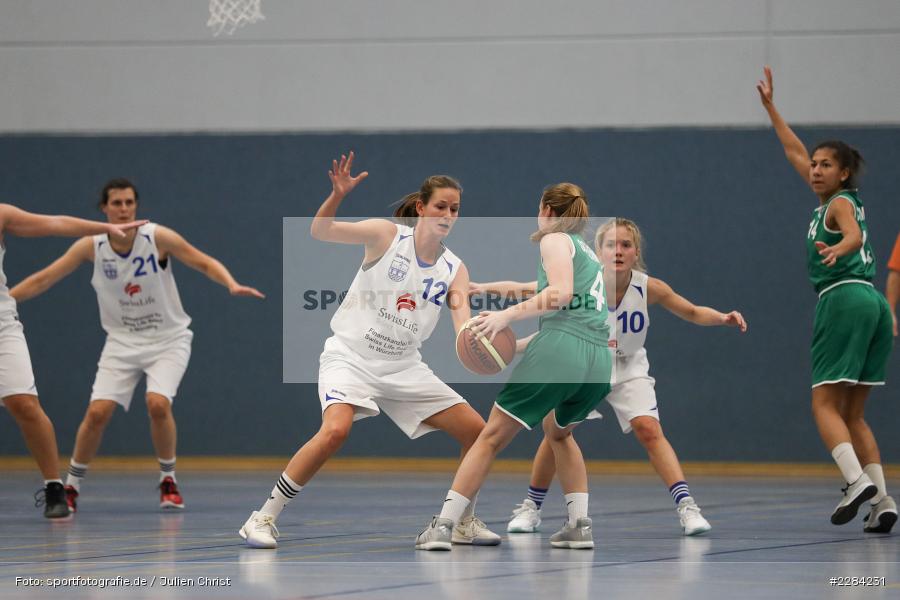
{"x":99,"y":413}
{"x":158,"y":407}
{"x":647,"y":430}
{"x":24,"y":407}
{"x":334,"y":434}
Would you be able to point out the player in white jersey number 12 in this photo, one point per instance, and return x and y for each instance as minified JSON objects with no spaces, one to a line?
{"x":146,"y":327}
{"x":372,"y":363}
{"x":17,"y":390}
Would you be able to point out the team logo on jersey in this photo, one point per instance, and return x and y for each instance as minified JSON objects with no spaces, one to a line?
{"x":399,"y":268}
{"x":109,"y":268}
{"x":132,"y":288}
{"x":406,"y":301}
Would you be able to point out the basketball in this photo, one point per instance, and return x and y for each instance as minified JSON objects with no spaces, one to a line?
{"x":482,"y":357}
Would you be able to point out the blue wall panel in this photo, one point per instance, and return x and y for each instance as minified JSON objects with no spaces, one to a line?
{"x":723,"y":213}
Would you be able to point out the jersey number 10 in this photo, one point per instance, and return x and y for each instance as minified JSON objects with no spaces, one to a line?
{"x":635,"y":322}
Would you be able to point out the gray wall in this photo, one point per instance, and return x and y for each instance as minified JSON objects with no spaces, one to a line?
{"x":723,"y":213}
{"x":314,"y":65}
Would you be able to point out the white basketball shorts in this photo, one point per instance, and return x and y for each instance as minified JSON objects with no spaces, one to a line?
{"x":406,"y":391}
{"x":121,"y":365}
{"x":16,"y":375}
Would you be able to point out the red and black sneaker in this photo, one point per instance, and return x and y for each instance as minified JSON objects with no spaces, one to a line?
{"x":72,"y":498}
{"x":169,"y":497}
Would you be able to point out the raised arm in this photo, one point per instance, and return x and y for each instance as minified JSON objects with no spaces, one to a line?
{"x":41,"y":281}
{"x":375,"y":234}
{"x":794,"y":149}
{"x":171,"y":243}
{"x":25,"y":224}
{"x":659,"y":292}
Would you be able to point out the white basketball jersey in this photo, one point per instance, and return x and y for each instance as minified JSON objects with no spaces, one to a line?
{"x":138,"y":299}
{"x":7,"y":302}
{"x":628,"y":325}
{"x":393,"y":305}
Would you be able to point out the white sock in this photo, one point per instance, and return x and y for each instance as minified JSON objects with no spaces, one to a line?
{"x":77,"y":472}
{"x":577,"y":506}
{"x":470,"y":509}
{"x":167,"y":468}
{"x":454,"y":507}
{"x":284,"y":491}
{"x":49,"y":481}
{"x":847,"y":461}
{"x":876,"y":474}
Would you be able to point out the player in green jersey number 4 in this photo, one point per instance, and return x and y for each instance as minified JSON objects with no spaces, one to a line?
{"x":852,"y":334}
{"x":563,"y":375}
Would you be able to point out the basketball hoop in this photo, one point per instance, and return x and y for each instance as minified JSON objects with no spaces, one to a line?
{"x":227,"y":16}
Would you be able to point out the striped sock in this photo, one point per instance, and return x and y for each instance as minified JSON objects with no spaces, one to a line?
{"x":680,"y":491}
{"x":537,"y":495}
{"x":284,"y":491}
{"x":77,"y":472}
{"x":167,"y":468}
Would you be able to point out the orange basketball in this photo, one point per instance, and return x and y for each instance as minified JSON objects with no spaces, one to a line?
{"x":480,"y":356}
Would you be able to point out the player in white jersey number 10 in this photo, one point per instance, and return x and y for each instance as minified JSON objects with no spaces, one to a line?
{"x":372,"y":363}
{"x":146,"y":327}
{"x":17,"y":390}
{"x":633,"y":397}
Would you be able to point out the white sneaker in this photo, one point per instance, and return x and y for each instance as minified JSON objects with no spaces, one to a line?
{"x":882,"y":516}
{"x":260,"y":531}
{"x":854,"y":495}
{"x":692,"y":522}
{"x":472,"y":530}
{"x":526,"y":518}
{"x":436,"y":536}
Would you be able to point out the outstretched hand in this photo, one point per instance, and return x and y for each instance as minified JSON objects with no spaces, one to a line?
{"x":119,"y":230}
{"x":342,"y":181}
{"x":245,"y":290}
{"x":735,"y":319}
{"x":765,"y":88}
{"x":829,"y":256}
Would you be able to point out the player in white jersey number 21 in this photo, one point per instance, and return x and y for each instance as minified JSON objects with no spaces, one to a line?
{"x":146,"y":327}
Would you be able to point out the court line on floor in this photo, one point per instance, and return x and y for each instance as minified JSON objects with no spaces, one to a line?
{"x":562,"y":570}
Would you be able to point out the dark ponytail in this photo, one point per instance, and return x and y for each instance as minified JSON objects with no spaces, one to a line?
{"x":848,"y":157}
{"x":406,"y":213}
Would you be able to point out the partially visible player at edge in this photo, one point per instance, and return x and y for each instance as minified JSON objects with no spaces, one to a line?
{"x":563,"y":375}
{"x":17,"y":389}
{"x":146,"y":327}
{"x":633,"y":398}
{"x":372,"y":362}
{"x":852,"y":334}
{"x":892,"y":286}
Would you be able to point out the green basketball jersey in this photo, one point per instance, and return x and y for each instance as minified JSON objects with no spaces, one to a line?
{"x":585,"y":316}
{"x":858,"y":265}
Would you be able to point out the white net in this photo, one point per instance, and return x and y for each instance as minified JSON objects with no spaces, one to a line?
{"x":226,"y":16}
